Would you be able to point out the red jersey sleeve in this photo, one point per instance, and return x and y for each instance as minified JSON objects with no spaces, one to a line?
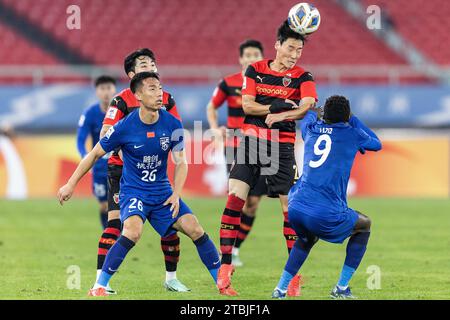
{"x":249,"y":85}
{"x":220,"y":94}
{"x":171,"y":106}
{"x":116,"y":111}
{"x":308,"y":86}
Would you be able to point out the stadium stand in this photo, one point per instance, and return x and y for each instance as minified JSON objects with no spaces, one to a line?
{"x":431,"y":34}
{"x":206,"y":40}
{"x":17,"y":50}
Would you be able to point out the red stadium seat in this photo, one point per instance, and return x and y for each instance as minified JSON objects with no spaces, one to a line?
{"x":206,"y":31}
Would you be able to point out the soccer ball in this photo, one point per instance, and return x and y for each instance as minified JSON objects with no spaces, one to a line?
{"x":304,"y":18}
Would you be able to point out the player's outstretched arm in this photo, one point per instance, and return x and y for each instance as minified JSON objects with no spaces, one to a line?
{"x":66,"y":191}
{"x":180,"y":175}
{"x":298,"y":112}
{"x":368,"y":139}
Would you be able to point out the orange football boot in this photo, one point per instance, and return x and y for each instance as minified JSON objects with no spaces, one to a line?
{"x":294,"y":288}
{"x":99,"y":292}
{"x":224,"y":280}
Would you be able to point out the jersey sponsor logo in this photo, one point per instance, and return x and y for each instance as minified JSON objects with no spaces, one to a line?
{"x":109,"y":132}
{"x":112,"y":112}
{"x":272,"y":91}
{"x":137,"y":147}
{"x":149,"y":163}
{"x":164,"y":142}
{"x":287,"y":80}
{"x":260,"y":78}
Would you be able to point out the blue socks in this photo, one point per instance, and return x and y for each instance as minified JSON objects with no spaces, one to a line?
{"x":208,"y":254}
{"x":114,"y":258}
{"x":356,"y":248}
{"x":296,"y":259}
{"x":346,"y":275}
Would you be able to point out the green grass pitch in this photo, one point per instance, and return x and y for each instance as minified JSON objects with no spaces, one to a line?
{"x":39,"y":240}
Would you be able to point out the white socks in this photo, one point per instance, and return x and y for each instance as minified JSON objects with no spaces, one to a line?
{"x":170,"y":275}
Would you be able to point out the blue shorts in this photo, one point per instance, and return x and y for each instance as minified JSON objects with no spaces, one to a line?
{"x":100,"y":186}
{"x":159,"y":216}
{"x":328,"y":225}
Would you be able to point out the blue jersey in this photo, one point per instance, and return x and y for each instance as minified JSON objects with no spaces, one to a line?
{"x":329,"y":152}
{"x":145,"y":149}
{"x":90,"y":124}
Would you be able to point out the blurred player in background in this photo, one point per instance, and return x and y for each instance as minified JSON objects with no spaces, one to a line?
{"x":146,"y":138}
{"x":229,"y":89}
{"x":270,"y":86}
{"x":318,"y":202}
{"x":122,"y":105}
{"x":89,"y":126}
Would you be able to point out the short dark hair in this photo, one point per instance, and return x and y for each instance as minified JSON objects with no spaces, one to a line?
{"x":336,"y":109}
{"x":130,"y":60}
{"x":104,"y":79}
{"x":285,"y":32}
{"x":138,"y":78}
{"x":250,"y":43}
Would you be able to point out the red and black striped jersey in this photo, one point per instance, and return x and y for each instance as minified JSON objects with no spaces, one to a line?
{"x":229,"y":89}
{"x":267,"y":85}
{"x":123,"y":104}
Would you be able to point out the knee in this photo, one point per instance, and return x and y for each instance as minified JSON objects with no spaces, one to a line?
{"x":113,"y":214}
{"x":306,"y":242}
{"x":364,"y":223}
{"x":368,"y":224}
{"x":132,"y":232}
{"x":103,"y":206}
{"x":133,"y":235}
{"x":192,"y":228}
{"x":250,"y":207}
{"x":238,"y":188}
{"x":196,"y":232}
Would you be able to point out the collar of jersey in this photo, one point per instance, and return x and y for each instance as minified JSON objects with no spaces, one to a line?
{"x":148,"y":124}
{"x":335,"y":125}
{"x":269,"y":61}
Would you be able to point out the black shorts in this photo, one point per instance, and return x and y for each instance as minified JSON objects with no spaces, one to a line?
{"x":114,"y":175}
{"x":258,"y":158}
{"x":260,"y":188}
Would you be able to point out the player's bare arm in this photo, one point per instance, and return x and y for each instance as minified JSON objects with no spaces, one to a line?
{"x":253,"y":108}
{"x":180,"y":175}
{"x":66,"y":191}
{"x":104,"y":130}
{"x":213,"y":121}
{"x":298,"y":112}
